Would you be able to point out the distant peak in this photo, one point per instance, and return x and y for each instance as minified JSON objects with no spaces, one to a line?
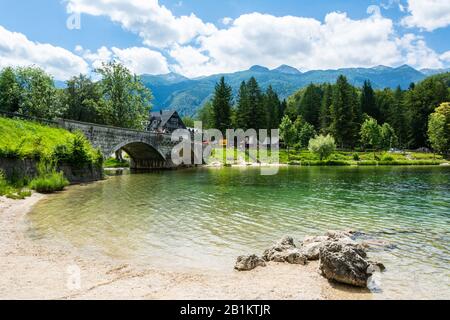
{"x":381,"y":68}
{"x":405,"y":66}
{"x":174,"y":75}
{"x":287,"y":69}
{"x":259,"y":68}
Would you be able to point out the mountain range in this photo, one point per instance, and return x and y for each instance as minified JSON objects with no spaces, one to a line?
{"x":176,"y":92}
{"x":173,"y":91}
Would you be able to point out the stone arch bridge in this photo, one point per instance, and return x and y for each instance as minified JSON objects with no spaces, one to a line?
{"x":147,"y":150}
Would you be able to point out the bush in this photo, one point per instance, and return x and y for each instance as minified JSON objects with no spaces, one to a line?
{"x":77,"y":152}
{"x":50,"y":182}
{"x":387,"y":157}
{"x":356,"y":157}
{"x":322,"y":146}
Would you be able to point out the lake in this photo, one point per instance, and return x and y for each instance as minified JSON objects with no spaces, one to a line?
{"x":204,"y":218}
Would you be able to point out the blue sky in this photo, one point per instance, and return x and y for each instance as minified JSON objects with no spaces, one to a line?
{"x":200,"y":37}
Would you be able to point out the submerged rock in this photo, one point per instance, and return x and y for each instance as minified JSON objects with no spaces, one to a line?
{"x":344,"y":263}
{"x":246,"y":263}
{"x":376,"y":266}
{"x":378,"y":244}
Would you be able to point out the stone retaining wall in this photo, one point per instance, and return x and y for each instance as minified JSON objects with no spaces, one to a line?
{"x":18,"y":169}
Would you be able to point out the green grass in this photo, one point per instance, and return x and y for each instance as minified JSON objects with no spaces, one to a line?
{"x":113,"y":163}
{"x":30,"y":140}
{"x":12,"y":190}
{"x":50,"y":182}
{"x":51,"y":146}
{"x":20,"y":195}
{"x":343,"y":158}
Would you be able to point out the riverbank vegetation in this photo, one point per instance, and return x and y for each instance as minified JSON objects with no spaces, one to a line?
{"x":23,"y":139}
{"x":49,"y":182}
{"x":48,"y":146}
{"x":336,"y":158}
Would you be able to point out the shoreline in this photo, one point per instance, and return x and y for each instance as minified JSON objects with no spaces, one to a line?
{"x":31,"y":271}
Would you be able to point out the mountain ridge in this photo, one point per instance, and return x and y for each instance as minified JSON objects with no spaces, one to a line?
{"x":173,"y":91}
{"x":176,"y":92}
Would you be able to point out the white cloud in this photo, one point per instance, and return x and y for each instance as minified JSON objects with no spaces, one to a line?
{"x":304,"y":43}
{"x":142,"y":60}
{"x":227,"y":20}
{"x":138,"y":60}
{"x":102,"y":55}
{"x":154,"y":23}
{"x":416,"y":53}
{"x":78,"y":48}
{"x":196,"y":48}
{"x":301,"y":42}
{"x":427,"y":14}
{"x":445,"y":56}
{"x":190,"y":61}
{"x":17,"y":50}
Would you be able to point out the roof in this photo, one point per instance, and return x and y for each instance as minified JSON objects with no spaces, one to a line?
{"x":162,"y":116}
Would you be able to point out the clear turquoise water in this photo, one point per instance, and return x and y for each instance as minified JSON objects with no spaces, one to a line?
{"x":205,"y":218}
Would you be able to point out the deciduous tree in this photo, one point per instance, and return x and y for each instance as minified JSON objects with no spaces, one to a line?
{"x":322,"y":146}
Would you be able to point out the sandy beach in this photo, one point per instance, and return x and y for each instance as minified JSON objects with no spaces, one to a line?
{"x":30,"y":271}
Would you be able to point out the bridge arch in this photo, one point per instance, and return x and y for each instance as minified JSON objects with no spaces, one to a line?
{"x":139,"y":149}
{"x":143,"y":154}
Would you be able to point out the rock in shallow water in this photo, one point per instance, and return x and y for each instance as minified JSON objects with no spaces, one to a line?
{"x":344,"y":263}
{"x":310,"y":246}
{"x":246,"y":263}
{"x":285,"y":251}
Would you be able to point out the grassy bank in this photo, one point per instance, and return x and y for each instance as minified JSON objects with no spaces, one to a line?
{"x":113,"y":163}
{"x":30,"y":140}
{"x":46,"y":145}
{"x":338,"y":158}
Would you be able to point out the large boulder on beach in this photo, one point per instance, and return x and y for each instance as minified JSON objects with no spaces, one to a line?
{"x":246,"y":263}
{"x":311,"y":250}
{"x":310,"y":246}
{"x":285,"y":251}
{"x":344,"y":263}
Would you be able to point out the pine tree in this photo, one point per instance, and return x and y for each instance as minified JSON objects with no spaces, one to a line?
{"x":324,"y":116}
{"x":385,"y":103}
{"x":282,"y":110}
{"x":257,"y":117}
{"x":221,"y":103}
{"x":272,"y":107}
{"x":242,"y":110}
{"x":343,"y":110}
{"x":396,"y":116}
{"x":310,"y":104}
{"x":368,"y":103}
